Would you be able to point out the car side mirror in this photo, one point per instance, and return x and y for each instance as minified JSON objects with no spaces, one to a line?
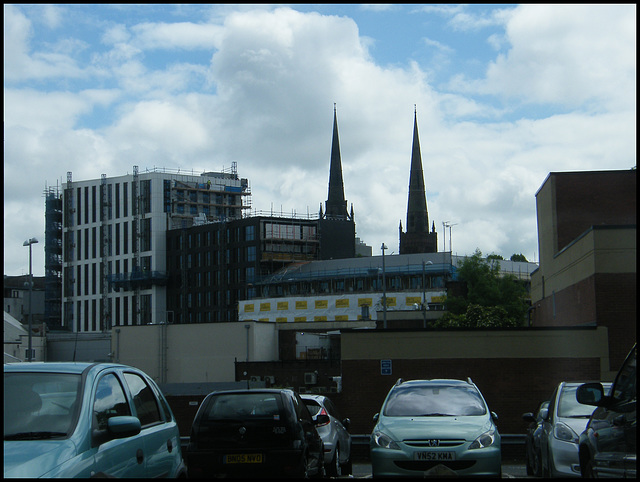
{"x":544,"y":413}
{"x":125,"y":426}
{"x":117,"y":427}
{"x":590,"y":394}
{"x":494,"y":416}
{"x":346,"y":422}
{"x":375,"y":417}
{"x":529,"y":417}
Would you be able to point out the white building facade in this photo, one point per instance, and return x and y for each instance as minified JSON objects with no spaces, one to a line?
{"x":114,"y":240}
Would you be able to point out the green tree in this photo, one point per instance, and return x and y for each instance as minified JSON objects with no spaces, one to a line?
{"x":518,"y":257}
{"x":492,"y":299}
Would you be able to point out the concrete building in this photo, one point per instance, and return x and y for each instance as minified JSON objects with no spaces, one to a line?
{"x":587,"y":246}
{"x":353,"y":289}
{"x":114,"y":240}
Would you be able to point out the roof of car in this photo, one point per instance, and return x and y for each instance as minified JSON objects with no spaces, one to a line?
{"x":433,"y":381}
{"x":54,"y":367}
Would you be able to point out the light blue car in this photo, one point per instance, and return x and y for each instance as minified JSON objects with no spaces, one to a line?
{"x":435,"y":428}
{"x":87,"y":420}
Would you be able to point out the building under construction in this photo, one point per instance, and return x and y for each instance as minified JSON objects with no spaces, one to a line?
{"x":114,"y":248}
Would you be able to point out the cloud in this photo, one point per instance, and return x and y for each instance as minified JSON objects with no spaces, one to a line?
{"x":257,"y":86}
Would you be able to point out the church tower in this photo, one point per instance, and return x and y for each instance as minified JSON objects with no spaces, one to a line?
{"x":336,"y":226}
{"x":417,"y":239}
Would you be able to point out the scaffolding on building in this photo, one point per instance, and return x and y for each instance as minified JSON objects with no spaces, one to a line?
{"x":53,"y":258}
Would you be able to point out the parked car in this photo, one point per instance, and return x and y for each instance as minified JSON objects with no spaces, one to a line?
{"x":532,"y":439}
{"x":254,"y":433}
{"x":443,"y":427}
{"x":87,"y":420}
{"x":607,"y":447}
{"x":564,"y":421}
{"x":334,"y":432}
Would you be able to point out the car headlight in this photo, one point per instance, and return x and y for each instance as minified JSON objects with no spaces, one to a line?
{"x":564,"y":432}
{"x":384,"y":441}
{"x":484,"y":440}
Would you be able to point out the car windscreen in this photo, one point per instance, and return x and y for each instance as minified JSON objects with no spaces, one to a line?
{"x":434,"y":401}
{"x":40,"y":405}
{"x":569,"y":407}
{"x":244,"y":406}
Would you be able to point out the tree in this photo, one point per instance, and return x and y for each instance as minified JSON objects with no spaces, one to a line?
{"x":518,"y":257}
{"x":492,"y":299}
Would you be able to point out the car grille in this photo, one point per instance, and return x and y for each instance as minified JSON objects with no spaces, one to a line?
{"x":423,"y":465}
{"x":430,"y":443}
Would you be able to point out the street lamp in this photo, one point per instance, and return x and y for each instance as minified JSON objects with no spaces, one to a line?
{"x":384,"y":290}
{"x":29,"y":242}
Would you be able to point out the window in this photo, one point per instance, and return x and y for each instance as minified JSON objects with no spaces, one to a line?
{"x":144,"y":400}
{"x":109,"y":401}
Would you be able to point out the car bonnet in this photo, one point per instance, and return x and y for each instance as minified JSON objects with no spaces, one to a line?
{"x":420,"y":428}
{"x":35,"y":458}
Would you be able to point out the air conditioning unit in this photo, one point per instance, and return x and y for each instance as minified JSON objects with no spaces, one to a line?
{"x":271,"y":379}
{"x":255,"y":379}
{"x":310,"y":378}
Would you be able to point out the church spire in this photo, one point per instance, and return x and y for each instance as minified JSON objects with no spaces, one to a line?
{"x":336,"y":205}
{"x":417,"y":216}
{"x":417,"y":239}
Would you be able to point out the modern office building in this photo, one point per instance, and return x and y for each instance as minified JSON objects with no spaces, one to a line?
{"x":114,"y":250}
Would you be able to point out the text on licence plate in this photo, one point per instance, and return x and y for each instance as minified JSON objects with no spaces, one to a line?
{"x":434,"y":456}
{"x":243,"y":459}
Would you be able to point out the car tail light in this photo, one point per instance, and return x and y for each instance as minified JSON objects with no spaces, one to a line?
{"x":323,"y":418}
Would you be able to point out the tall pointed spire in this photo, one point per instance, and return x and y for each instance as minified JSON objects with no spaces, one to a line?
{"x":336,"y":205}
{"x":417,"y":239}
{"x":417,"y":216}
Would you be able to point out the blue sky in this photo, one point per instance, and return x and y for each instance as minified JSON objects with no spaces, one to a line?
{"x":504,"y":94}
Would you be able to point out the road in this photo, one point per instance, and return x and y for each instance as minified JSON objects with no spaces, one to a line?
{"x":511,"y":469}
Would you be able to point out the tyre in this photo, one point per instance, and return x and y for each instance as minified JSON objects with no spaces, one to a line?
{"x":334,"y":466}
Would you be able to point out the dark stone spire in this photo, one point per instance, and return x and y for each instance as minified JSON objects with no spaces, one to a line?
{"x":417,"y":239}
{"x":336,"y":205}
{"x":417,"y":216}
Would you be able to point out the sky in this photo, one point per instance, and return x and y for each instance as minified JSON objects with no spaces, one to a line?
{"x":504,"y":95}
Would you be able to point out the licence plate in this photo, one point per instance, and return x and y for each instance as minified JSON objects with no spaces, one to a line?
{"x":438,"y":456}
{"x":243,"y":459}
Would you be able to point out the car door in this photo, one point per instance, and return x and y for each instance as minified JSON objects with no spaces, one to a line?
{"x":113,"y":457}
{"x":313,"y":440}
{"x":343,"y":435}
{"x":160,"y":436}
{"x":615,"y":425}
{"x":547,"y":432}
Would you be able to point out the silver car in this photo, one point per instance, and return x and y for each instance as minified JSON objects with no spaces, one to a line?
{"x":334,"y":433}
{"x":563,"y":423}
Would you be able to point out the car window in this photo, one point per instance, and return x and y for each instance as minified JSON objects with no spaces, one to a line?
{"x":110,"y":401}
{"x":331,"y":408}
{"x":313,"y":406}
{"x":244,"y":406}
{"x":434,"y":400}
{"x":144,"y":400}
{"x":301,"y":409}
{"x":625,"y":387}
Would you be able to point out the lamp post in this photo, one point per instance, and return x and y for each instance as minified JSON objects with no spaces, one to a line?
{"x":384,"y":290}
{"x":29,"y":242}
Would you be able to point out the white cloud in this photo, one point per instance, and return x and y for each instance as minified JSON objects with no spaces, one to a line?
{"x":264,"y":95}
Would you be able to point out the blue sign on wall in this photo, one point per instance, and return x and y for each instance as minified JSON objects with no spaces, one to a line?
{"x":385,"y":367}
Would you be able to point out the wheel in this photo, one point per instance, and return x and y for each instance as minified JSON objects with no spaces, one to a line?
{"x":347,"y":467}
{"x":588,"y":470}
{"x":334,"y":466}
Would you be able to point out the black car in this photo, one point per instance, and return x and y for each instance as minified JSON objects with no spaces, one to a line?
{"x":608,"y":444}
{"x":254,"y":433}
{"x":532,"y":439}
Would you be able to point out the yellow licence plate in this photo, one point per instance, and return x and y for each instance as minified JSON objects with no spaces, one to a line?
{"x":243,"y":459}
